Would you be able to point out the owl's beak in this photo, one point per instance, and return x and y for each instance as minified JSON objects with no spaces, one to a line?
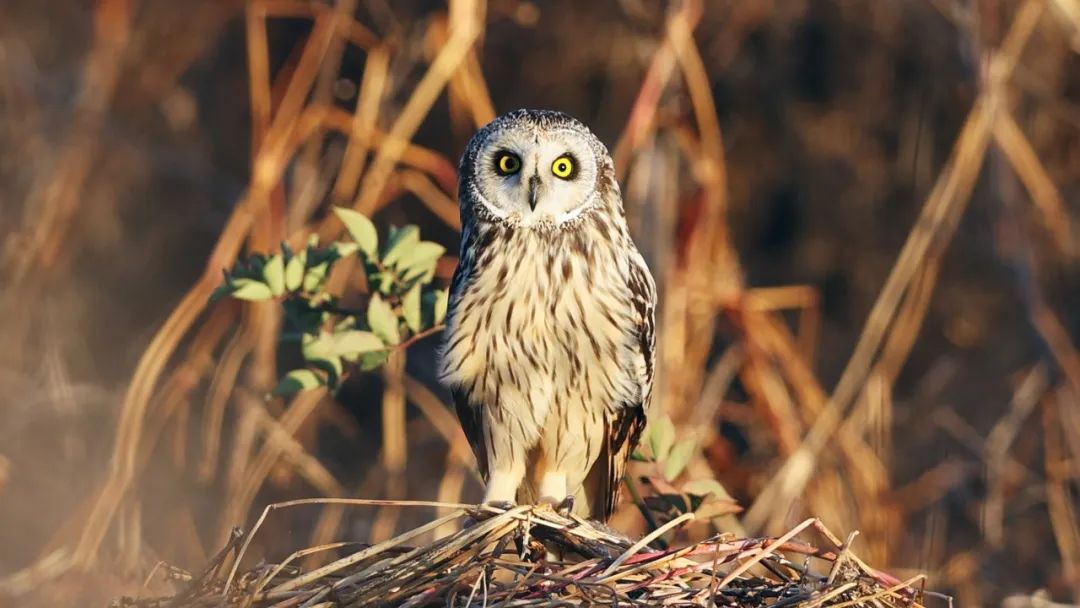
{"x":534,"y":191}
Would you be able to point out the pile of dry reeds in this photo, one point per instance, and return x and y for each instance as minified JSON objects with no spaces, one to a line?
{"x":499,"y":559}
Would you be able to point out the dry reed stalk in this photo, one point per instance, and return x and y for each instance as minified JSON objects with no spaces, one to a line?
{"x":221,"y":386}
{"x":769,"y":393}
{"x":710,"y":261}
{"x":451,"y":487}
{"x":363,"y":124}
{"x":802,"y":298}
{"x":1025,"y":161}
{"x":438,"y":202}
{"x":440,"y":417}
{"x":310,"y":157}
{"x":1060,"y":504}
{"x":326,"y":528}
{"x":293,"y":451}
{"x":998,"y":462}
{"x":1069,"y":14}
{"x":275,"y":150}
{"x":258,"y":56}
{"x":55,"y":193}
{"x":467,"y":86}
{"x":426,"y":160}
{"x":642,"y":120}
{"x":250,"y":479}
{"x":394,"y":441}
{"x":861,"y":465}
{"x":133,"y":411}
{"x":416,"y":108}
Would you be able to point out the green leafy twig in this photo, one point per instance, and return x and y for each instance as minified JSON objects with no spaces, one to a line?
{"x":402,"y":306}
{"x":669,"y":457}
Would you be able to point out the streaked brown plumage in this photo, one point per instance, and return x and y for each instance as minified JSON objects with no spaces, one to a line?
{"x":549,"y":342}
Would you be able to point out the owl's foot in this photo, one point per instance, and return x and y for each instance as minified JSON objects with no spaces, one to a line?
{"x":565,"y":506}
{"x":503,"y":505}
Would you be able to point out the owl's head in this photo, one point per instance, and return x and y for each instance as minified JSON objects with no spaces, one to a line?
{"x":534,"y":168}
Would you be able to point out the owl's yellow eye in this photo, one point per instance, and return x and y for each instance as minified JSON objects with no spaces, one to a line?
{"x":563,"y":167}
{"x":507,"y":163}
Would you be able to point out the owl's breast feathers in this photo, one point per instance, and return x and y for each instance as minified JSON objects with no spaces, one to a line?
{"x":540,"y":320}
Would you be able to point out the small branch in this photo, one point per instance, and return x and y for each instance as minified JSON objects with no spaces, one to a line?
{"x":420,"y":336}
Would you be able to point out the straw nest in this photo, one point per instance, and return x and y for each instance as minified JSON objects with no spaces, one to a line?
{"x":535,"y":556}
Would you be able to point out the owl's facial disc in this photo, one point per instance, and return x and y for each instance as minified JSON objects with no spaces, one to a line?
{"x":535,"y":178}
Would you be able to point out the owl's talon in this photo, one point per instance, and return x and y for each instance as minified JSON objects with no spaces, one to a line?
{"x":505,"y":505}
{"x":565,"y":506}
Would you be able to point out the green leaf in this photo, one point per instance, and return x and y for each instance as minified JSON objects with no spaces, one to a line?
{"x":253,"y":266}
{"x":678,"y":458}
{"x":343,"y":249}
{"x":401,"y":242}
{"x":294,"y":271}
{"x":639,"y":456}
{"x":250,"y":289}
{"x":274,"y":274}
{"x":351,"y":344}
{"x":225,"y":289}
{"x":661,"y":437}
{"x":332,"y":366}
{"x":296,"y":381}
{"x":320,"y":351}
{"x":360,"y":229}
{"x":420,"y":261}
{"x":346,"y":323}
{"x":386,"y":282}
{"x":428,"y":305}
{"x":318,"y":346}
{"x":410,"y":308}
{"x":299,"y":311}
{"x":372,"y":360}
{"x":442,"y":297}
{"x":383,"y":321}
{"x":315,"y":276}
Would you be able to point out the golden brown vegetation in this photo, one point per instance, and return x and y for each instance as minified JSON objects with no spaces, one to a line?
{"x":193,"y":449}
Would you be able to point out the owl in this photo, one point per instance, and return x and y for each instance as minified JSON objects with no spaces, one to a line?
{"x":549,"y":345}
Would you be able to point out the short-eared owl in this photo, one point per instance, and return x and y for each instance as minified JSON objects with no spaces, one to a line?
{"x":549,"y":340}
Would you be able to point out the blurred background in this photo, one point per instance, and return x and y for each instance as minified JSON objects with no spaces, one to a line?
{"x":861,"y":213}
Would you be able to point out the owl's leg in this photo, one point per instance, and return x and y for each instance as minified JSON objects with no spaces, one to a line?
{"x":553,"y":487}
{"x":502,"y":485}
{"x":507,"y":459}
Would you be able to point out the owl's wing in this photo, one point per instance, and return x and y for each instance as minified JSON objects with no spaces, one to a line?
{"x":643,"y":302}
{"x":469,"y":413}
{"x":624,"y":429}
{"x":471,"y":418}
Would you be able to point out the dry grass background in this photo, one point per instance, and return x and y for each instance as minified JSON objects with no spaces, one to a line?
{"x":861,"y":215}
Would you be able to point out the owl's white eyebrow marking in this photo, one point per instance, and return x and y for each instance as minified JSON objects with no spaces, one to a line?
{"x":487,"y":205}
{"x":563,"y":218}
